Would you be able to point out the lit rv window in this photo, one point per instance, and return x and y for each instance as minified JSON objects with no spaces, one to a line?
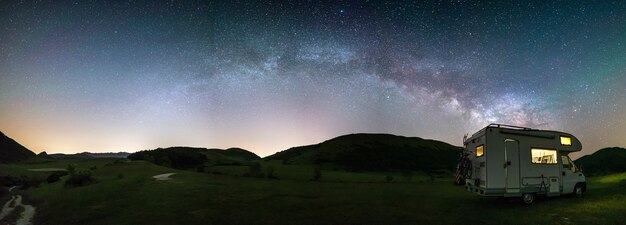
{"x":543,"y":156}
{"x":566,"y":140}
{"x":480,"y":150}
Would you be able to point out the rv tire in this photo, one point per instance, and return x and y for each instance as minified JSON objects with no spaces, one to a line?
{"x":578,"y":191}
{"x":528,"y":198}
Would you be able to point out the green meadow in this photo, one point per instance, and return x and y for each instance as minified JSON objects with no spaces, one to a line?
{"x":126,"y":193}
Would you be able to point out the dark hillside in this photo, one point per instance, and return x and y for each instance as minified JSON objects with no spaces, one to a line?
{"x":374,"y":152}
{"x":603,"y":161}
{"x":11,"y":151}
{"x":187,"y":157}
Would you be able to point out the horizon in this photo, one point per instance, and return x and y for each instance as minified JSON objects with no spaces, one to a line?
{"x":573,"y":156}
{"x":112,"y":76}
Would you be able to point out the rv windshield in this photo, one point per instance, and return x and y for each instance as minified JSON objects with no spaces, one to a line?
{"x":568,"y":163}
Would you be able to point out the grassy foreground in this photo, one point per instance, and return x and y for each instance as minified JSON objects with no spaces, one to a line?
{"x":126,"y":193}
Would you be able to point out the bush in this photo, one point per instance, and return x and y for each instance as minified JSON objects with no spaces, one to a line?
{"x":78,"y":178}
{"x":270,"y":172}
{"x":55,"y":176}
{"x":389,"y":178}
{"x":254,"y":170}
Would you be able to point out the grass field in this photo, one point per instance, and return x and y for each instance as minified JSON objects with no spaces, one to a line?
{"x":126,"y":193}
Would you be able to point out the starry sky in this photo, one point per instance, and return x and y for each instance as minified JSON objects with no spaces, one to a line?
{"x":108,"y":76}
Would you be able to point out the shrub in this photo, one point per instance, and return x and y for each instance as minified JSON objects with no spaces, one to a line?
{"x":389,"y":178}
{"x":78,"y":178}
{"x":270,"y":172}
{"x":55,"y":176}
{"x":254,"y":170}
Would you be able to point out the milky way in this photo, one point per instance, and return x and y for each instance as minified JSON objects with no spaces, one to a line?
{"x":270,"y":75}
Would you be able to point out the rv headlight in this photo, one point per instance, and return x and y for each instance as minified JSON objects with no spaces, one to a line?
{"x":480,"y":150}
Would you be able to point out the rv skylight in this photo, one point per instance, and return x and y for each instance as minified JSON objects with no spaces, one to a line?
{"x":480,"y":150}
{"x":566,"y":140}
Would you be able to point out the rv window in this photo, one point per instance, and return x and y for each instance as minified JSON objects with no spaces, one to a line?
{"x":565,"y":161}
{"x":566,"y":140}
{"x":568,"y":164}
{"x":543,"y":156}
{"x":480,"y":150}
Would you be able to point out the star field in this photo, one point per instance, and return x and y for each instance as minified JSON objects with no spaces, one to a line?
{"x":269,"y":75}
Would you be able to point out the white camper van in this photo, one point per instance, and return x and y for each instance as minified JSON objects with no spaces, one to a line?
{"x":512,"y":161}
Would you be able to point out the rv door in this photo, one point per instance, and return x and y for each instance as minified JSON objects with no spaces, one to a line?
{"x":512,"y":165}
{"x":569,"y":175}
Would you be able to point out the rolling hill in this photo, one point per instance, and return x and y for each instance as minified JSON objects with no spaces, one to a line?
{"x":87,"y":155}
{"x":603,"y":161}
{"x":11,"y":151}
{"x":374,"y":152}
{"x":188,"y":157}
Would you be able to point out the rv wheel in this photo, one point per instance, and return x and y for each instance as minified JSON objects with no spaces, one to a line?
{"x":528,"y":198}
{"x":578,"y":191}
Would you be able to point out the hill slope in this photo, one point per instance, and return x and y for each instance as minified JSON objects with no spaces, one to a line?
{"x":603,"y":161}
{"x":187,"y":157}
{"x":89,"y":155}
{"x":374,"y":152}
{"x":11,"y":151}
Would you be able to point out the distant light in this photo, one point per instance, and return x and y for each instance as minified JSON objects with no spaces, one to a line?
{"x":566,"y":140}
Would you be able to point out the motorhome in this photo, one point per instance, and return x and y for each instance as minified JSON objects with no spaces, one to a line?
{"x":512,"y":161}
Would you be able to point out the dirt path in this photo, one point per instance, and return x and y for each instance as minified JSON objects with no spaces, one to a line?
{"x":15,"y":201}
{"x":165,"y":176}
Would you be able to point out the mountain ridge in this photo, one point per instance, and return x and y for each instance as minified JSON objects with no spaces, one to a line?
{"x":11,"y":151}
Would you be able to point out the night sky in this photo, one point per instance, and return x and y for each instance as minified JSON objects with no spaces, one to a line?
{"x":265,"y":76}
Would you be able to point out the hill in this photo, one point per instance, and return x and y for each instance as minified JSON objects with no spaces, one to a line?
{"x":188,"y":157}
{"x":11,"y":151}
{"x":603,"y":161}
{"x":374,"y":152}
{"x":88,"y":155}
